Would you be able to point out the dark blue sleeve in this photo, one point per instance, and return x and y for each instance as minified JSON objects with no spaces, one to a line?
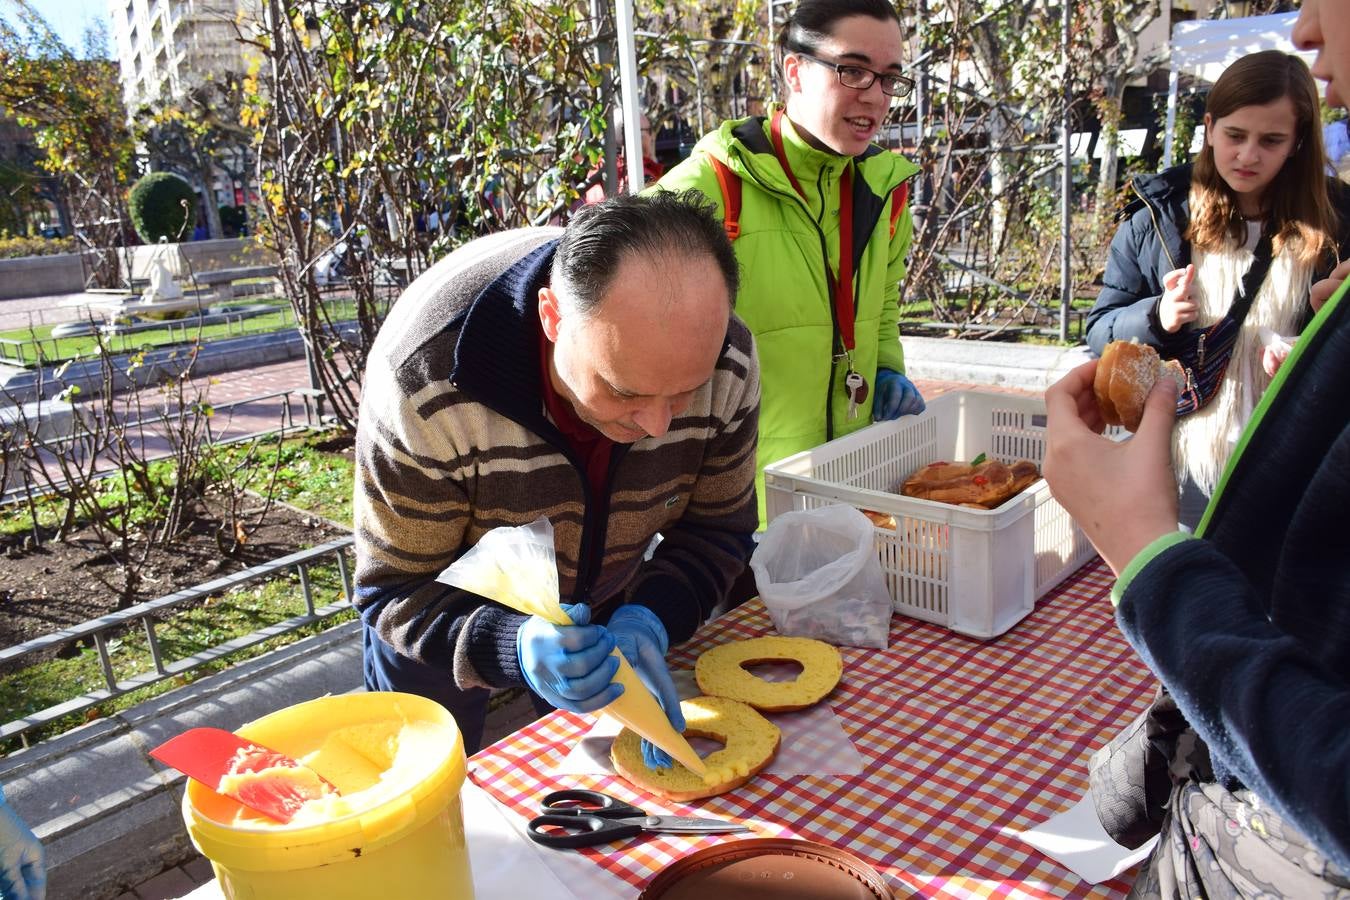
{"x":425,"y":620}
{"x":1130,"y":293}
{"x":689,"y":573}
{"x":1269,"y":713}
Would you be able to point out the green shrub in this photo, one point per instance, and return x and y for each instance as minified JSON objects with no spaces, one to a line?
{"x":163,"y":205}
{"x":14,"y":247}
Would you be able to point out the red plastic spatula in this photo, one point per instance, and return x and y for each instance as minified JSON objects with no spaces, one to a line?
{"x":209,"y":754}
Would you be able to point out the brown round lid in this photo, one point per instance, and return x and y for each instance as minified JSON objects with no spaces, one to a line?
{"x":777,"y":868}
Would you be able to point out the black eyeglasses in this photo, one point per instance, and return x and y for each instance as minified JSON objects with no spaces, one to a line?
{"x":860,"y":78}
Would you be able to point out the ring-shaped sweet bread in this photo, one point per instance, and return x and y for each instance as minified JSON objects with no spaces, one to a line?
{"x":722,"y":672}
{"x":751,"y":742}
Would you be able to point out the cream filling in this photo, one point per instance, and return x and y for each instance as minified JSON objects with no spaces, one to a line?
{"x":369,"y":764}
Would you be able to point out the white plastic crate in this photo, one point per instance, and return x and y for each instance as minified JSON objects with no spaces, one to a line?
{"x":976,"y":571}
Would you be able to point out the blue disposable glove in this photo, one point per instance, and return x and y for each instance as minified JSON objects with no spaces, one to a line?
{"x":894,"y":396}
{"x":569,"y":665}
{"x":642,"y":640}
{"x":23,"y":869}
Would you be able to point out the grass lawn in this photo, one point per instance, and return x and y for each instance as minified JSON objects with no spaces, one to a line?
{"x":17,"y":518}
{"x":916,"y":318}
{"x":308,"y":478}
{"x":311,"y":479}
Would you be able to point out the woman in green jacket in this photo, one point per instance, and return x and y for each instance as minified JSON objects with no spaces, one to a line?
{"x":807,"y":197}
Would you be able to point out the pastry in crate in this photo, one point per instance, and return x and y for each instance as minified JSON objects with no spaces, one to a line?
{"x":981,"y":484}
{"x":880,"y":519}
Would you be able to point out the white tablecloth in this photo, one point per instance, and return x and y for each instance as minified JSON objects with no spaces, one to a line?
{"x":506,"y":864}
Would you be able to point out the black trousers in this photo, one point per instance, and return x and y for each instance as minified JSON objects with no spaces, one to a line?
{"x":386,"y":670}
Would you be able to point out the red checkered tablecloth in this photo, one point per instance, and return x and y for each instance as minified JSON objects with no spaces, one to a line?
{"x":964,"y":743}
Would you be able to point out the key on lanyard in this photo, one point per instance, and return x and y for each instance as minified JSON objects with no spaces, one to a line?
{"x":855,"y":388}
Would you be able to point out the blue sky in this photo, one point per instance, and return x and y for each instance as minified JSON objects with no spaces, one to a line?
{"x":69,"y":18}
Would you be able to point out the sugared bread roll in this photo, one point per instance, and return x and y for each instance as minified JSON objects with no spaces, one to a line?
{"x":1126,"y":373}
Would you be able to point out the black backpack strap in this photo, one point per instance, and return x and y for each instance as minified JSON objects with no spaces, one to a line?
{"x":1251,"y":281}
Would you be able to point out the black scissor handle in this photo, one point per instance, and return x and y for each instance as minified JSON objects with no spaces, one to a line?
{"x":578,"y":830}
{"x":577,"y":802}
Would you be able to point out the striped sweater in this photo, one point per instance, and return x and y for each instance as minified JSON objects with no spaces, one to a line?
{"x":453,"y":441}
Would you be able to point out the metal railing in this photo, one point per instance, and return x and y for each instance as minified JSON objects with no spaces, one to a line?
{"x":310,"y":400}
{"x":31,"y":352}
{"x":147,"y":615}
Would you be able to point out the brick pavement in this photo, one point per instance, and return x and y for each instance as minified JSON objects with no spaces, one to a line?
{"x":172,"y":883}
{"x":230,"y":387}
{"x":225,"y":389}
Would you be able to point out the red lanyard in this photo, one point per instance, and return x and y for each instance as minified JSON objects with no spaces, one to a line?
{"x":843,"y":286}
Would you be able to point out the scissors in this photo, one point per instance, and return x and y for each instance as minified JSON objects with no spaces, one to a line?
{"x":582,"y":818}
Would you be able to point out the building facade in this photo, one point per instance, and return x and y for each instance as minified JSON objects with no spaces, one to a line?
{"x":166,"y":48}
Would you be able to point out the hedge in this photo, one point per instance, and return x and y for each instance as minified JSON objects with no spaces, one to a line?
{"x":163,"y":205}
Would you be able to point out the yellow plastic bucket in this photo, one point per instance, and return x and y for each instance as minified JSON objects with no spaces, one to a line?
{"x":408,"y":841}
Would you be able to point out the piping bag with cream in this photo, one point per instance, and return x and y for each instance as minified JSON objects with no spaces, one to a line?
{"x":517,"y":568}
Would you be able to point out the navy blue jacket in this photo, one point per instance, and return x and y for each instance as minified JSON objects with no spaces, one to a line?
{"x":1149,"y":244}
{"x":1249,"y":625}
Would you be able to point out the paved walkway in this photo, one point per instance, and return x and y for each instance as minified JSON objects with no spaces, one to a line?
{"x":225,"y":389}
{"x":25,"y":312}
{"x":260,"y":415}
{"x":237,"y":414}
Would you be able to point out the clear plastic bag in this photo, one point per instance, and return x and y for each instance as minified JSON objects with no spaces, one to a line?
{"x":818,"y":574}
{"x":517,"y":567}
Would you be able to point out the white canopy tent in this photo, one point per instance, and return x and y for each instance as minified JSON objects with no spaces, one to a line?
{"x":1205,"y":48}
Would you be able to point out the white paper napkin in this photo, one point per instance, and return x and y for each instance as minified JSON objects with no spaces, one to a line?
{"x":1076,"y":840}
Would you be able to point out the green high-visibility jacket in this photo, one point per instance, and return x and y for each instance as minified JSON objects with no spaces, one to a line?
{"x":785,"y":294}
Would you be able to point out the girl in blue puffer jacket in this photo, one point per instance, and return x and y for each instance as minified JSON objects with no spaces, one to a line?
{"x":1177,"y":262}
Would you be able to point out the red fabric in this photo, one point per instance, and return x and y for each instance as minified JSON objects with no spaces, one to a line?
{"x":651,"y":171}
{"x":843,"y":285}
{"x":730,"y":183}
{"x":899,"y":197}
{"x":590,"y":446}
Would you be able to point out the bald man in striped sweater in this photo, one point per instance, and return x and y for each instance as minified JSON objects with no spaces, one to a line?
{"x":596,"y":376}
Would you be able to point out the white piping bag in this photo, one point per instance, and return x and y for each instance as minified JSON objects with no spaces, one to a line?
{"x":517,"y":567}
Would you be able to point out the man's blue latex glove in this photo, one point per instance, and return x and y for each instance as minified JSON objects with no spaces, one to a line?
{"x":569,"y":665}
{"x":642,"y":640}
{"x":894,"y":396}
{"x":23,"y":867}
